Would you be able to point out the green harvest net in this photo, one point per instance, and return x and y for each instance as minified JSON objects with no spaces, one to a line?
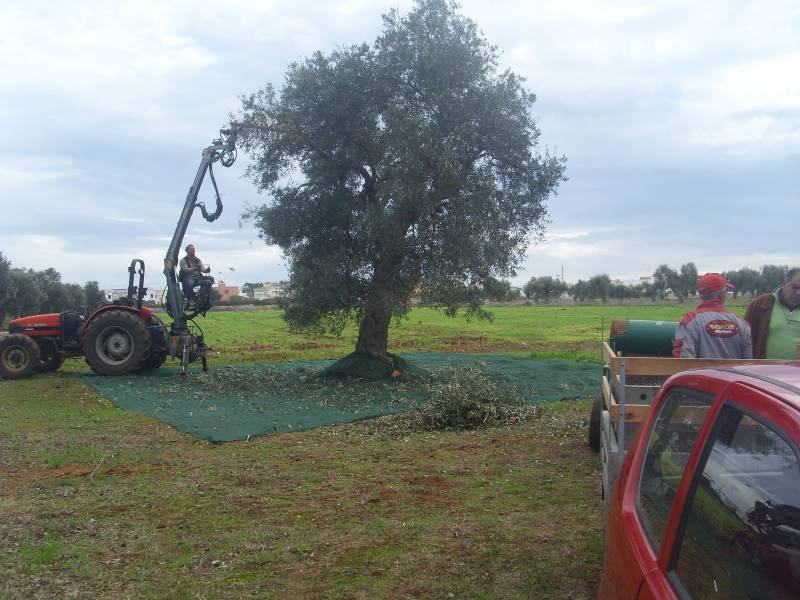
{"x":235,"y":402}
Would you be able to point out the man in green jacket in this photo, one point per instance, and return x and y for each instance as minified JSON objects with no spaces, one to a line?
{"x":775,"y":320}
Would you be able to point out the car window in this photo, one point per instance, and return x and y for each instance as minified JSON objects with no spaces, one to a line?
{"x":673,"y":435}
{"x":741,"y":532}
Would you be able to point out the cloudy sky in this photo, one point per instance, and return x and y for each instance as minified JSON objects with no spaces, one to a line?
{"x":680,"y":121}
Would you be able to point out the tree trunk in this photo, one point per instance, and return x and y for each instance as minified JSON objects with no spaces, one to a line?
{"x":373,"y":331}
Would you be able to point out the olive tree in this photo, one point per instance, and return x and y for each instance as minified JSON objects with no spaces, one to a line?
{"x":406,"y":167}
{"x":6,"y":291}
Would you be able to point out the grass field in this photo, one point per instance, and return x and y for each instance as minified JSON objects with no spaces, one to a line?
{"x":100,"y":503}
{"x":547,"y":331}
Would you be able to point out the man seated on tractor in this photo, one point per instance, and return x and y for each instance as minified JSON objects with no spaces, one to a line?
{"x":191,"y":269}
{"x":711,"y":330}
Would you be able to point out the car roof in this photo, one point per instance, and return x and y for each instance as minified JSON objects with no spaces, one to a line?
{"x":782,"y":380}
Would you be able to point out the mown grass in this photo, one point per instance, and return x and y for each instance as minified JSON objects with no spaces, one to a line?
{"x":100,"y":503}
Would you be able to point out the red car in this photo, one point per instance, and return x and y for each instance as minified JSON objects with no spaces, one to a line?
{"x":707,"y":504}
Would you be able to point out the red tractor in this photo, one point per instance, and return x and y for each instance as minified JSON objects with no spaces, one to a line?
{"x":125,"y":337}
{"x":115,"y":339}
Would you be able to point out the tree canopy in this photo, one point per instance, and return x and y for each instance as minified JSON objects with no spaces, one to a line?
{"x":682,"y":282}
{"x":27,"y":292}
{"x":544,"y":289}
{"x":408,"y":166}
{"x":5,"y":285}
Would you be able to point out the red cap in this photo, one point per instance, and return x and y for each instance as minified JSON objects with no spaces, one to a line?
{"x":712,"y":282}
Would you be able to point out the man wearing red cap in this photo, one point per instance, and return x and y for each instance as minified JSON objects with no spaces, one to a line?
{"x":711,"y":330}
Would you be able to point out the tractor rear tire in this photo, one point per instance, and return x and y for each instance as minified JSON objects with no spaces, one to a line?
{"x":594,"y":424}
{"x":158,"y":344}
{"x":117,"y":342}
{"x":19,"y":356}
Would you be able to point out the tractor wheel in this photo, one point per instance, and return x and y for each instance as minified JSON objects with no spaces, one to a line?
{"x":19,"y":356}
{"x":117,"y":342}
{"x":594,"y":424}
{"x":52,"y":363}
{"x":50,"y":359}
{"x":158,"y":344}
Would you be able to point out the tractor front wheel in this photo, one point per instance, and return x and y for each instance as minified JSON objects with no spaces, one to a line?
{"x":19,"y":356}
{"x":117,"y":342}
{"x":52,"y":363}
{"x":50,"y":359}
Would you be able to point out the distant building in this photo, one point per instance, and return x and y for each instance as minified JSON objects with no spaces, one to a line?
{"x":226,"y":292}
{"x":267,"y":290}
{"x":115,"y":294}
{"x":152,"y":294}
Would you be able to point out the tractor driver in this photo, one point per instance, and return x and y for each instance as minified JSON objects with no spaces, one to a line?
{"x":191,"y":269}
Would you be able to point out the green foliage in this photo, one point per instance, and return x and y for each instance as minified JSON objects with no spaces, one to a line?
{"x":665,"y":278}
{"x":771,"y":277}
{"x":231,"y":300}
{"x":75,"y":296}
{"x":27,"y":296}
{"x":468,"y":398}
{"x":619,"y":291}
{"x":646,"y":290}
{"x":687,"y":279}
{"x":751,"y":281}
{"x":600,"y":287}
{"x":415,"y":168}
{"x":580,"y":291}
{"x":499,"y":290}
{"x":682,"y":283}
{"x":26,"y":292}
{"x":48,"y":552}
{"x":94,"y":295}
{"x":29,"y":292}
{"x":746,"y":280}
{"x":5,"y":286}
{"x":544,"y":289}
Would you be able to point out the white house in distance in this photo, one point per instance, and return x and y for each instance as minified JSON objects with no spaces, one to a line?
{"x":152,"y":295}
{"x":115,"y":294}
{"x":267,"y":290}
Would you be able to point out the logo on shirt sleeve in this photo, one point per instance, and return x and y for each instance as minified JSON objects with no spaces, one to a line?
{"x":721,"y":328}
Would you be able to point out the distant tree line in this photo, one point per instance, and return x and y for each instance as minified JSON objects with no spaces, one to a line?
{"x":27,"y":292}
{"x":680,"y":282}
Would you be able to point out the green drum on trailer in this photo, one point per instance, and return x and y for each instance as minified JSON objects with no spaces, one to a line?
{"x":643,"y":338}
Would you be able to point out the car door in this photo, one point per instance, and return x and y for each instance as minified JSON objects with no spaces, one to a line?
{"x":735,"y":530}
{"x":648,"y":486}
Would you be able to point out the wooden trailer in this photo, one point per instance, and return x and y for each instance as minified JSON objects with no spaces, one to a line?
{"x":628,"y":386}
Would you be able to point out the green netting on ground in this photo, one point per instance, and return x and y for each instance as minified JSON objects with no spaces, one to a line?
{"x":235,"y":402}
